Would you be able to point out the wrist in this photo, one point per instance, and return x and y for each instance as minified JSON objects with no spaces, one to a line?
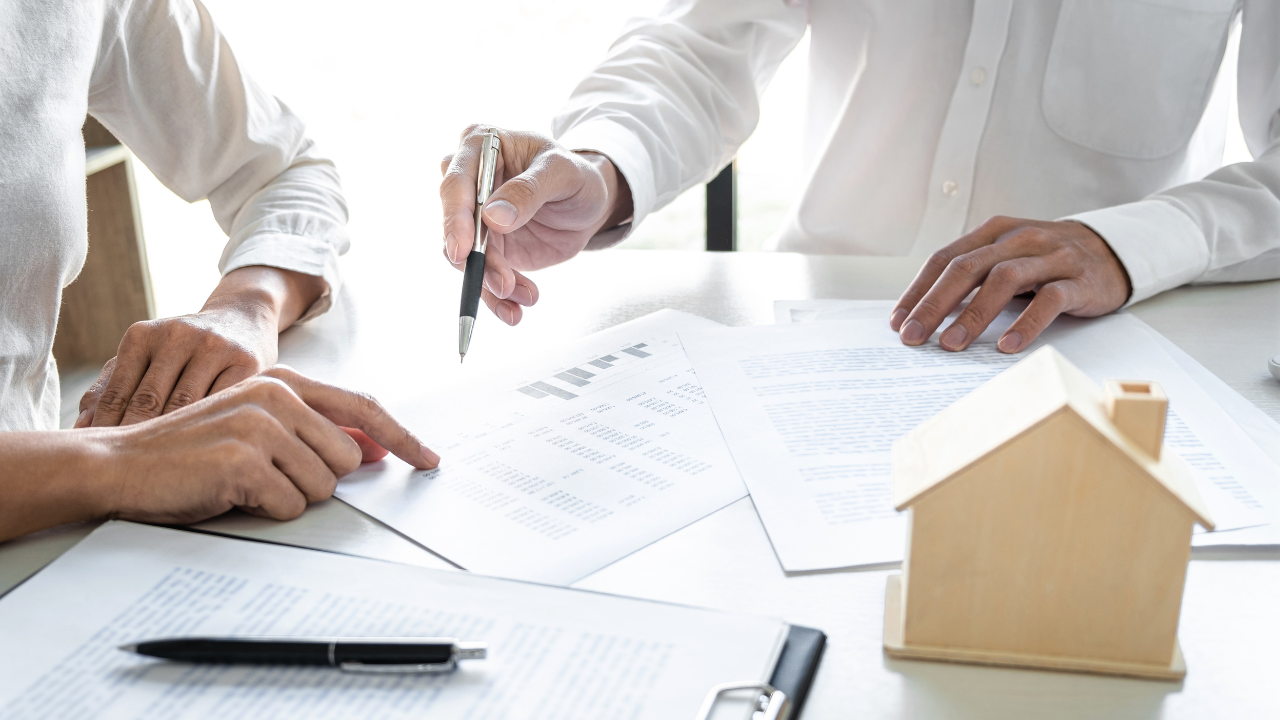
{"x":617,"y":191}
{"x":103,"y":458}
{"x":270,"y":296}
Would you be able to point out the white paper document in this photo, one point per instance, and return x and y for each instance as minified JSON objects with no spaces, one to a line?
{"x":552,"y":652}
{"x":576,"y":460}
{"x":811,"y":410}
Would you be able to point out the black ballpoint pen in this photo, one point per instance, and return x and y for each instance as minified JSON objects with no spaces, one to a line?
{"x":473,"y":276}
{"x":373,"y":655}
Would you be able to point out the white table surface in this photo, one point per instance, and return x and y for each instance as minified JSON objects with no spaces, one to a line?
{"x":393,"y":333}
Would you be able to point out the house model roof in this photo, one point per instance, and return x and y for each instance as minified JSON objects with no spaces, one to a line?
{"x":1037,"y":388}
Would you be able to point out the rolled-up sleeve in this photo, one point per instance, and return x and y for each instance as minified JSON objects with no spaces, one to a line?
{"x":679,"y":93}
{"x":1226,"y":227}
{"x":167,"y":85}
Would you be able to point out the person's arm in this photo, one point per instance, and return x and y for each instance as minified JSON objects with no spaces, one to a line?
{"x":1224,"y":227}
{"x":679,"y":93}
{"x":268,"y":446}
{"x":666,"y":110}
{"x":167,"y":84}
{"x":1220,"y":229}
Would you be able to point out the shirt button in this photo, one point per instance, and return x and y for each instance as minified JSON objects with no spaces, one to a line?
{"x":950,"y":188}
{"x":978,"y":76}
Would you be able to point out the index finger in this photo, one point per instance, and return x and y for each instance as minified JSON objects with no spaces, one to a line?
{"x":350,"y":409}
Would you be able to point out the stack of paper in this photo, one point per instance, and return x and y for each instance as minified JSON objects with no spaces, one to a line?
{"x":552,"y":652}
{"x":810,"y":412}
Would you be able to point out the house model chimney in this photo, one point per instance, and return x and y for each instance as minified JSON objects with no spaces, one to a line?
{"x":1137,"y":409}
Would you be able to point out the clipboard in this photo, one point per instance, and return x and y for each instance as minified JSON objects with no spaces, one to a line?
{"x":782,"y":698}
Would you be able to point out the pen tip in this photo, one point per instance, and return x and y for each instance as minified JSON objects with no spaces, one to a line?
{"x":132,"y":647}
{"x":461,"y":357}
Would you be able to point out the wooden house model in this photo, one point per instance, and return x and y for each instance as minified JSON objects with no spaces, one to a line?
{"x":1046,"y":528}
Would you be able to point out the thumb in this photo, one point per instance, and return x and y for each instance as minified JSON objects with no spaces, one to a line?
{"x":516,"y":201}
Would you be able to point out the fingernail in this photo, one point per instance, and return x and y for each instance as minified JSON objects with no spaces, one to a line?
{"x":912,"y":332}
{"x":504,"y":314}
{"x":448,"y":245}
{"x":494,"y":282}
{"x":954,"y":337}
{"x":84,"y":418}
{"x":429,"y":457}
{"x":895,"y":321}
{"x":1011,"y":342}
{"x":501,"y":212}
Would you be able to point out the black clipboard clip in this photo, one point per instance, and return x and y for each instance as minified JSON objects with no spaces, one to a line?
{"x":770,"y":703}
{"x":782,"y":698}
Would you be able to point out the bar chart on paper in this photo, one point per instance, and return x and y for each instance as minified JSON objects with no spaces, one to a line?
{"x":580,"y":459}
{"x":579,"y":377}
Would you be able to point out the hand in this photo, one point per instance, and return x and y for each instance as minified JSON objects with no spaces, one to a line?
{"x":164,"y":365}
{"x":1069,"y":267}
{"x":547,"y":203}
{"x":268,"y":446}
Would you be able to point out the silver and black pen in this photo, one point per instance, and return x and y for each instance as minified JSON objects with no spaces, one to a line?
{"x":473,"y":275}
{"x":353,"y":654}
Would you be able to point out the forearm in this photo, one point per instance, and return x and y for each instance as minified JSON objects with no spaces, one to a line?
{"x":53,"y":478}
{"x":679,"y":93}
{"x":271,"y":296}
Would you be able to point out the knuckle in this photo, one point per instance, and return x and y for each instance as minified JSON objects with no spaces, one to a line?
{"x":1031,"y":235}
{"x":939,"y":261}
{"x":450,"y":182}
{"x":146,"y":401}
{"x":367,"y":405}
{"x":280,"y":373}
{"x":522,"y":188}
{"x":267,"y":389}
{"x":138,"y":334}
{"x":113,"y":401}
{"x":996,"y":222}
{"x":180,"y":398}
{"x":967,"y":265}
{"x":346,"y":463}
{"x":1054,"y":293}
{"x":242,"y":458}
{"x":1006,"y":273}
{"x":929,"y":307}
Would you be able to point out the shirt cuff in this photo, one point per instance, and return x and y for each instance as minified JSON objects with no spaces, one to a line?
{"x":1160,"y":246}
{"x":299,"y":253}
{"x":628,"y":154}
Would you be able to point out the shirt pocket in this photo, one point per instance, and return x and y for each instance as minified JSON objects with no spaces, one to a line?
{"x":1131,"y":77}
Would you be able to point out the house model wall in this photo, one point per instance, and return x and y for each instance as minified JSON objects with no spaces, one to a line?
{"x":1043,"y":532}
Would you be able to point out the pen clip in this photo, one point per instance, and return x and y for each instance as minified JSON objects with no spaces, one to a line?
{"x":412,"y":669}
{"x":489,"y":149}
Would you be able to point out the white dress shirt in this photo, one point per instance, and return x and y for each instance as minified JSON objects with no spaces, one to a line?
{"x":926,"y":117}
{"x":160,"y":76}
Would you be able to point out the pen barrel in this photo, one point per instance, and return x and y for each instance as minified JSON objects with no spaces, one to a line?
{"x":472,"y":281}
{"x":383,"y":654}
{"x":238,"y":652}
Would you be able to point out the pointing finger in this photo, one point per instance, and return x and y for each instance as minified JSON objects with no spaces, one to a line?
{"x":356,"y":410}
